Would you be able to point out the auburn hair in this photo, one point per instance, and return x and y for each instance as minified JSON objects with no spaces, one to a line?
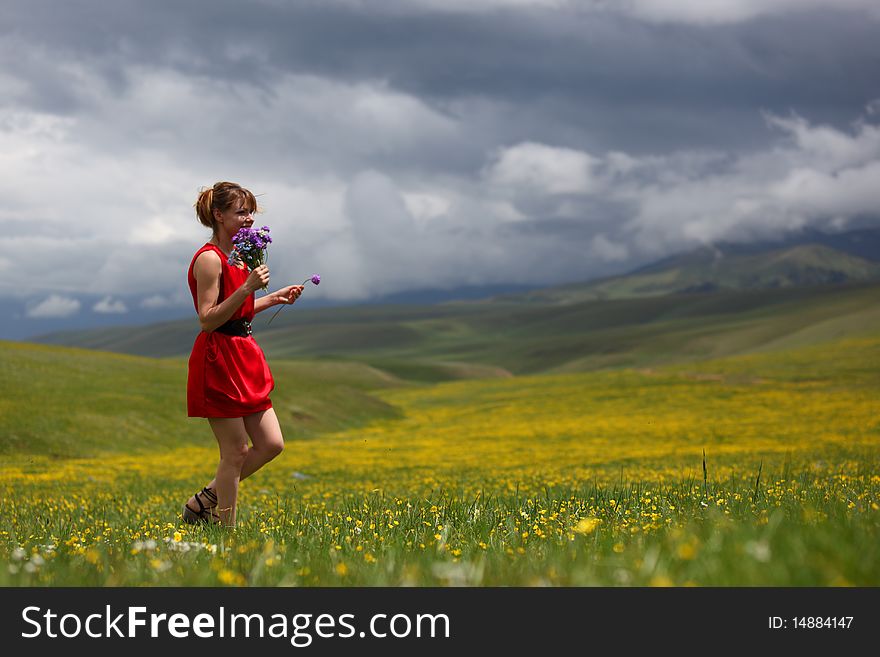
{"x":222,"y":196}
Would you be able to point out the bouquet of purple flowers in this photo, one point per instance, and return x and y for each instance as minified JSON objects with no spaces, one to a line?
{"x":249,"y":247}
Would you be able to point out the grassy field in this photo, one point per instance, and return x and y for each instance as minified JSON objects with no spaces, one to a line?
{"x":74,"y":402}
{"x":570,"y":478}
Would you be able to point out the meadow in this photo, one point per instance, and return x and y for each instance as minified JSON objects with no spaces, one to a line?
{"x":756,"y":469}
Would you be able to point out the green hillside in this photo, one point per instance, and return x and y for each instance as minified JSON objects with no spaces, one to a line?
{"x":327,"y":362}
{"x":134,"y":404}
{"x":715,"y":301}
{"x":482,"y":339}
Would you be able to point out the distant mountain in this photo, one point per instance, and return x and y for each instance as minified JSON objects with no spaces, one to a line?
{"x":863,"y":243}
{"x":752,"y":294}
{"x":732,"y":267}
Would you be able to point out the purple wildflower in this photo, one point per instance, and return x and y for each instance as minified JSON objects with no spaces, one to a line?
{"x":315,"y":279}
{"x":249,"y":247}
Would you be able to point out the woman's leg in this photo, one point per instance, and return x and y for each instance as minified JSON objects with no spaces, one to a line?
{"x":265,"y":432}
{"x":232,"y":438}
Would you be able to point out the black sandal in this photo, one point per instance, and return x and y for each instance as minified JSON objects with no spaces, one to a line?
{"x":203,"y":514}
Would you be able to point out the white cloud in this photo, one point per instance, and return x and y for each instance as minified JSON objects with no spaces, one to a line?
{"x":156,"y":301}
{"x":110,"y":306}
{"x":425,"y":206}
{"x":606,"y":250}
{"x":504,"y":210}
{"x":157,"y":230}
{"x":542,"y":168}
{"x":816,"y":175}
{"x":385,"y":233}
{"x":118,"y":216}
{"x":814,"y":193}
{"x":54,"y":306}
{"x":180,"y":297}
{"x":829,"y":147}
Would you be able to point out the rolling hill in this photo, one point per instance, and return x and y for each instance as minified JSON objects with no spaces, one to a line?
{"x":134,"y":404}
{"x":711,"y":302}
{"x":464,"y":340}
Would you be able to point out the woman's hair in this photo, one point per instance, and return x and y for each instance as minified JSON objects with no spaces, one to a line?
{"x":222,"y":196}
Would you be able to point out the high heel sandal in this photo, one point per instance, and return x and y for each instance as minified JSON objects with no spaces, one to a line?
{"x":203,"y":514}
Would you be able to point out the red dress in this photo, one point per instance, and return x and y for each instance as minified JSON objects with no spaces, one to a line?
{"x":228,"y":375}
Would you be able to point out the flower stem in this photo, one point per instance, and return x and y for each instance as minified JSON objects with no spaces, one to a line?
{"x":274,"y":314}
{"x":282,"y":305}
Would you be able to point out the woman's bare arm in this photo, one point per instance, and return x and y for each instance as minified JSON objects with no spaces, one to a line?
{"x":286,"y":295}
{"x":207,"y":270}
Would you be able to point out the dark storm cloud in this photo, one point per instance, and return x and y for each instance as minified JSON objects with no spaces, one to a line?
{"x":589,"y":79}
{"x":425,"y":143}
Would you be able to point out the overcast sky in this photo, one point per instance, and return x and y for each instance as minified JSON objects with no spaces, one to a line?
{"x":399,"y":145}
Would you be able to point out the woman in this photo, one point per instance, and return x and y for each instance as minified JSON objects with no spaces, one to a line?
{"x":229,"y":380}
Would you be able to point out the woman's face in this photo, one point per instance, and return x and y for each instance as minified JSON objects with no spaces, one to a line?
{"x":238,"y":216}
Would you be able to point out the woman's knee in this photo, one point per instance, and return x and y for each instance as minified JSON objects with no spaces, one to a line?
{"x":275,"y":447}
{"x":235,"y":456}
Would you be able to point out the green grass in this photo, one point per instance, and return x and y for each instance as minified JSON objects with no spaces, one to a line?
{"x":469,"y":444}
{"x":793,"y":527}
{"x":587,"y":478}
{"x":72,"y":402}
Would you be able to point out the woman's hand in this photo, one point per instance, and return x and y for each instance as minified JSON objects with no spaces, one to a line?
{"x":288,"y":295}
{"x":257,"y":279}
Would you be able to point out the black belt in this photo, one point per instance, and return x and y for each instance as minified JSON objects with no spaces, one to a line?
{"x":239,"y":327}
